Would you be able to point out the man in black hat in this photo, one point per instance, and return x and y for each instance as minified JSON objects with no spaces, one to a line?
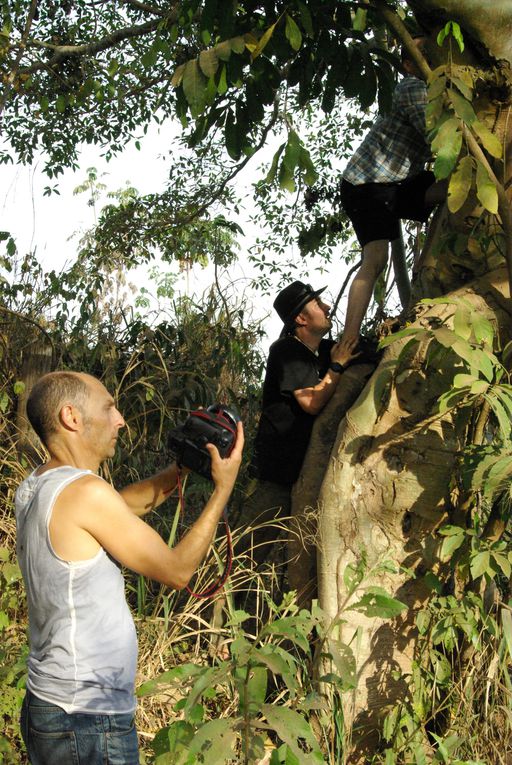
{"x":303,"y":370}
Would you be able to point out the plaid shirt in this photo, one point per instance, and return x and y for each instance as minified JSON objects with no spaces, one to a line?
{"x":395,"y":148}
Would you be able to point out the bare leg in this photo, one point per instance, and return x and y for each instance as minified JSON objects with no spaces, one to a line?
{"x":375,"y":257}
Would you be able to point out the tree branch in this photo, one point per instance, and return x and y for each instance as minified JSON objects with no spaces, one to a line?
{"x":398,"y":26}
{"x":144,"y":7}
{"x":504,"y":208}
{"x":222,"y":185}
{"x":109,"y":41}
{"x":89,"y":49}
{"x":403,"y":283}
{"x":22,"y":45}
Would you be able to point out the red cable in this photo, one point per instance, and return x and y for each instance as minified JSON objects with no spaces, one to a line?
{"x":216,"y":586}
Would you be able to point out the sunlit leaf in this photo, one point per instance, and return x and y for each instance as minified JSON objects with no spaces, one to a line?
{"x":293,"y":33}
{"x":490,"y":141}
{"x":486,"y":190}
{"x":460,"y":184}
{"x":263,"y":41}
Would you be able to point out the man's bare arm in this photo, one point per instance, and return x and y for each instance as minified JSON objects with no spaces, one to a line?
{"x":145,"y":495}
{"x":93,"y":508}
{"x":312,"y":400}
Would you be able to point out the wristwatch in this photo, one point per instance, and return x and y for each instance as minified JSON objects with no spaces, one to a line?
{"x":336,"y":367}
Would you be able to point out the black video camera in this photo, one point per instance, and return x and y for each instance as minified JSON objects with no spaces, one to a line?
{"x":215,"y":425}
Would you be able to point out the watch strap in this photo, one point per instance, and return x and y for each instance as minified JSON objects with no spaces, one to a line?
{"x":336,"y":367}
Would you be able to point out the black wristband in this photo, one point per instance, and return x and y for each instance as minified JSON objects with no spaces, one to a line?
{"x":336,"y":367}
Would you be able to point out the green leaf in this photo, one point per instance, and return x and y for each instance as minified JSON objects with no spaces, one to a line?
{"x":479,"y":564}
{"x":293,"y":33}
{"x":436,"y":83}
{"x":483,"y":329}
{"x":345,"y":663}
{"x":209,"y":62}
{"x":172,"y":740}
{"x":463,"y":107}
{"x":194,"y":86}
{"x":353,"y":576}
{"x":506,"y":354}
{"x":418,"y":331}
{"x":457,"y":33}
{"x":237,"y":44}
{"x":286,"y":179}
{"x":453,"y":28}
{"x":359,"y":21}
{"x":273,"y":167}
{"x":506,"y":620}
{"x":502,"y":563}
{"x":178,"y":675}
{"x":486,"y":190}
{"x":447,"y":145}
{"x":463,"y":380}
{"x":501,"y":415}
{"x":293,"y":729}
{"x":460,"y":184}
{"x":450,"y":544}
{"x":305,"y":17}
{"x":464,"y":85}
{"x":275,"y":662}
{"x":177,"y":76}
{"x":310,"y":174}
{"x":258,"y":49}
{"x":292,"y":151}
{"x":223,"y":50}
{"x":490,"y":141}
{"x":214,"y":741}
{"x":377,"y":602}
{"x":479,"y":387}
{"x":255,"y":690}
{"x":11,"y":572}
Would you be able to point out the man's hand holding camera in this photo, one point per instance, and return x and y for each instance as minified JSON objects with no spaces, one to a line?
{"x":225,"y":470}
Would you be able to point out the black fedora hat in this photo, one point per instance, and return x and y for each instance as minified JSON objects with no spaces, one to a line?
{"x":292,"y":299}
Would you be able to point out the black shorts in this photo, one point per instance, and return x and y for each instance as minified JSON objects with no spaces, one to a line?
{"x":375,"y":209}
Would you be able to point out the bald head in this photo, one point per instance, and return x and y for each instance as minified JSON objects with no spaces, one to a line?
{"x":50,"y":393}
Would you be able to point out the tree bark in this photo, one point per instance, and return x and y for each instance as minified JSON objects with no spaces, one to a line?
{"x":386,"y":490}
{"x":388,"y":486}
{"x":302,"y":544}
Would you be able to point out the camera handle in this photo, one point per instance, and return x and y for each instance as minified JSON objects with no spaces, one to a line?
{"x":214,"y":588}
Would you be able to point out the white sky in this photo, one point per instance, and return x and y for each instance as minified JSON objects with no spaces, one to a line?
{"x":51,"y":225}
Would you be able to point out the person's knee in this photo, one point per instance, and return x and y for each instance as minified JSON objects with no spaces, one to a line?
{"x":375,"y":258}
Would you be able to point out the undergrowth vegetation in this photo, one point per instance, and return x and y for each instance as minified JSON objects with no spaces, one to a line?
{"x":270,"y":686}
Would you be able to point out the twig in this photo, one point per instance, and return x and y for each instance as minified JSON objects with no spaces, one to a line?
{"x":343,"y":287}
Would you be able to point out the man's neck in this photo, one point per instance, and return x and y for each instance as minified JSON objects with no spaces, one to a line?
{"x":62,"y":455}
{"x":308,"y":338}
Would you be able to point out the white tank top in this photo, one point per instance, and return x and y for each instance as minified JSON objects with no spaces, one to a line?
{"x":83,"y":646}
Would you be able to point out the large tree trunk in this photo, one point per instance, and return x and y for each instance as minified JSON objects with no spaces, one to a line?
{"x":389,"y":484}
{"x":387,"y":489}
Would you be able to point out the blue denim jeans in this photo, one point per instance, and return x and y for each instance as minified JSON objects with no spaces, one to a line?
{"x":53,"y":737}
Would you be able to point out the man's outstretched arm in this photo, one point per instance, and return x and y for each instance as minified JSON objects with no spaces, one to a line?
{"x":92,"y":507}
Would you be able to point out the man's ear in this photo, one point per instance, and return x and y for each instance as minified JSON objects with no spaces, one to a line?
{"x":300,"y":320}
{"x":70,"y":417}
